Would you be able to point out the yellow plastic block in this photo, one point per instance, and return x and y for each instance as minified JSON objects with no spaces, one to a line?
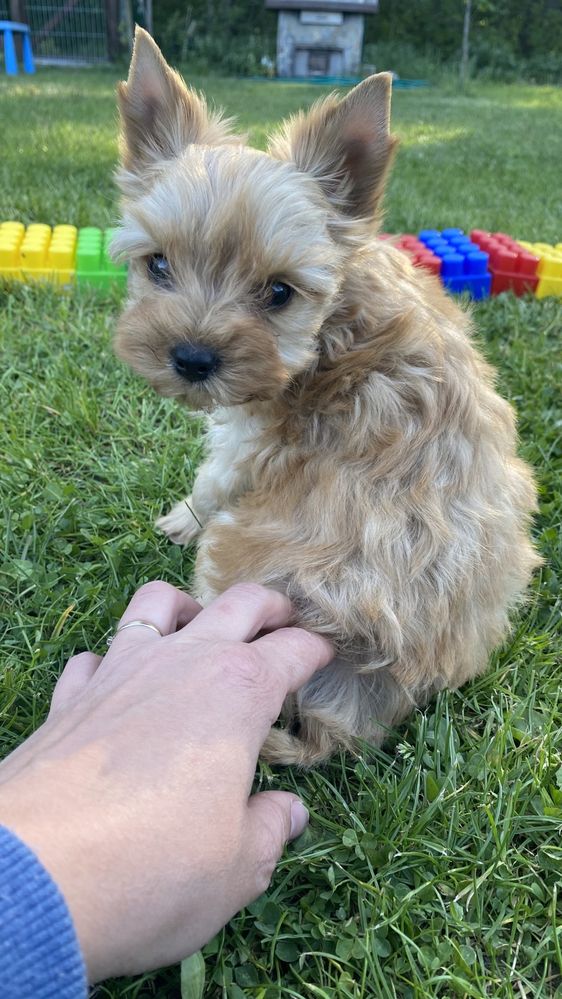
{"x":69,"y":231}
{"x":11,"y":236}
{"x":38,"y":253}
{"x":549,"y":268}
{"x":62,"y":254}
{"x":33,"y":254}
{"x":38,"y":229}
{"x":14,"y":228}
{"x":549,"y":286}
{"x":60,"y":257}
{"x":550,"y":265}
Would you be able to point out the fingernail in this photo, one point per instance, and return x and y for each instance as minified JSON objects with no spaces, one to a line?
{"x":299,"y":819}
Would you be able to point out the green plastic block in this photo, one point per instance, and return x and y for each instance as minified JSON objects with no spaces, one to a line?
{"x":93,"y":265}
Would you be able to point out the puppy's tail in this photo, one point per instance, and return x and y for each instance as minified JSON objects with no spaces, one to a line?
{"x":281,"y":747}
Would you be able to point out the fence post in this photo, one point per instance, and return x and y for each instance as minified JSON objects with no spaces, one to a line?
{"x":18,"y":13}
{"x":112,"y":29}
{"x":148,"y":16}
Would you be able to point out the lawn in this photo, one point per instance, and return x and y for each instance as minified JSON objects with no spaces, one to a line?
{"x":431,"y":868}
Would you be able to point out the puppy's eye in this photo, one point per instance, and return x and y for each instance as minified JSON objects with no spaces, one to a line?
{"x":278,"y":294}
{"x":159,"y":269}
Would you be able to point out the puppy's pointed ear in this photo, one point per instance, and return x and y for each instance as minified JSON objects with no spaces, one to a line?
{"x":345,"y":144}
{"x":160,"y":116}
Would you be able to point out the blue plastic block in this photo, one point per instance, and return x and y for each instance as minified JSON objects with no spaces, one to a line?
{"x":438,"y":246}
{"x":477,"y":287}
{"x":476,"y":263}
{"x":464,"y":266}
{"x":426,"y":234}
{"x":453,"y":265}
{"x":461,"y":243}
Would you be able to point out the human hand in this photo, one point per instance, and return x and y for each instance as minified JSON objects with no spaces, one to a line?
{"x":134,"y":793}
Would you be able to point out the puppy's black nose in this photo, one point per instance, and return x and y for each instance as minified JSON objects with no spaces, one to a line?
{"x":195,"y":364}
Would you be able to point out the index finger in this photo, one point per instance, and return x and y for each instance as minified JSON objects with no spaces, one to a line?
{"x":239,"y":613}
{"x":294,"y":655}
{"x":288,"y":658}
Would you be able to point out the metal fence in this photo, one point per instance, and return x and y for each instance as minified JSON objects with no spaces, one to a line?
{"x":73,"y":32}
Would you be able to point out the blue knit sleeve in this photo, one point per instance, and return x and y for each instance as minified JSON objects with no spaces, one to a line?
{"x":39,"y":953}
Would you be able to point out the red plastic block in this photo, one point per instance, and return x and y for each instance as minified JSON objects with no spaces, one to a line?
{"x":513,"y":267}
{"x":419,"y":253}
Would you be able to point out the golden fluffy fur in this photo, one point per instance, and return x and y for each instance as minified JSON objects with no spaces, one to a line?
{"x":359,"y":457}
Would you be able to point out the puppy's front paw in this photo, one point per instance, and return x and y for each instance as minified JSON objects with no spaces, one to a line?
{"x":180,"y":524}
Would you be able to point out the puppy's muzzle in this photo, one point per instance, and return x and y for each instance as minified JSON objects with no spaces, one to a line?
{"x":195,"y":364}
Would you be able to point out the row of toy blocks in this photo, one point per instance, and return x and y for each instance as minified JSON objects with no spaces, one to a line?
{"x":453,"y":256}
{"x":464,"y":265}
{"x":513,"y":267}
{"x":37,"y":253}
{"x":60,"y":255}
{"x":520,"y":266}
{"x":484,"y":262}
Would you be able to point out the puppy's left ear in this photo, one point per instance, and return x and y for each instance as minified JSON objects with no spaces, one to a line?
{"x":160,"y":116}
{"x":345,"y":144}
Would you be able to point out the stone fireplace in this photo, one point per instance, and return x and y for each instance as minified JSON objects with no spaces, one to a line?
{"x":320,"y":38}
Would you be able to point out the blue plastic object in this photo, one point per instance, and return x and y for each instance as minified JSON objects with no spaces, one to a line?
{"x":8,"y":28}
{"x":464,"y":266}
{"x":337,"y":81}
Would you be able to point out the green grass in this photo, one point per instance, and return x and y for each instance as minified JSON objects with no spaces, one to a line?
{"x":432,"y":868}
{"x":487,"y":159}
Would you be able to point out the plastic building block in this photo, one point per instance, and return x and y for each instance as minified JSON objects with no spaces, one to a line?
{"x":60,"y":255}
{"x":477,"y":264}
{"x":33,"y":252}
{"x":464,"y":265}
{"x":420,"y":255}
{"x":93,"y":265}
{"x":11,"y":238}
{"x":513,"y":267}
{"x":37,"y":253}
{"x":549,"y":267}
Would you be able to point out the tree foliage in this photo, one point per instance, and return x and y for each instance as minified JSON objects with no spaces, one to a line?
{"x":526,"y":27}
{"x":509,"y":38}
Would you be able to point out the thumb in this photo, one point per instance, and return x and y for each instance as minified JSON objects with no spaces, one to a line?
{"x":276,"y":817}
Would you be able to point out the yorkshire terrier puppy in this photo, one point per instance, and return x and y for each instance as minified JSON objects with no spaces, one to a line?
{"x":359,"y":457}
